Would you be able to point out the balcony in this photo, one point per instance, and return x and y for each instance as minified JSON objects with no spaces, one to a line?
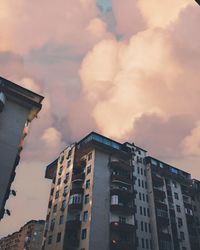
{"x":157,"y":180}
{"x":159,"y":194}
{"x":164,"y":236}
{"x":79,"y":165}
{"x":78,"y":177}
{"x":116,"y":244}
{"x":120,"y":165}
{"x":127,"y":194}
{"x":74,"y":207}
{"x":73,"y":224}
{"x":78,"y":190}
{"x":122,"y":227}
{"x":71,"y":243}
{"x":122,"y":209}
{"x":121,"y":178}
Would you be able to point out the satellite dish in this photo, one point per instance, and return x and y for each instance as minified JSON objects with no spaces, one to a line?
{"x":198,"y":1}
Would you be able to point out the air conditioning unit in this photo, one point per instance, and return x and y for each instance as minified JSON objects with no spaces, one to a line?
{"x":2,"y":101}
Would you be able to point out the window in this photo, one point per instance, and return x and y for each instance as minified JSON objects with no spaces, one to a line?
{"x":75,"y":199}
{"x":55,"y":208}
{"x":144,"y":211}
{"x":61,"y":220}
{"x":68,"y":163}
{"x":87,"y":198}
{"x":89,"y":169}
{"x":149,"y":228}
{"x":87,"y":184}
{"x":59,"y":181}
{"x":178,"y":208}
{"x":147,"y":244}
{"x":182,"y":235}
{"x":58,"y":237}
{"x":114,"y":200}
{"x":145,"y":184}
{"x":66,"y":178}
{"x":140,"y":196}
{"x":176,"y":196}
{"x":89,"y":156}
{"x":141,"y":210}
{"x":180,"y":222}
{"x":84,"y":234}
{"x":85,"y":216}
{"x":143,"y":197}
{"x":52,"y":190}
{"x":145,"y":226}
{"x":142,"y":183}
{"x":57,"y":195}
{"x":52,"y":225}
{"x":145,"y":172}
{"x":174,"y":184}
{"x":143,"y":243}
{"x":63,"y":206}
{"x":147,"y":198}
{"x":122,"y":219}
{"x":50,"y":239}
{"x":141,"y":171}
{"x":139,"y":182}
{"x":60,"y":171}
{"x":142,"y":226}
{"x":138,"y":170}
{"x":148,"y":213}
{"x":65,"y":190}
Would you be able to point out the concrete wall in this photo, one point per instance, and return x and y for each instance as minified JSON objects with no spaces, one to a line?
{"x":99,"y":227}
{"x":12,"y":122}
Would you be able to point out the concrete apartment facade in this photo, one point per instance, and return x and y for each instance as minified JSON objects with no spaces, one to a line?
{"x":29,"y":237}
{"x":18,"y":107}
{"x":107,"y":195}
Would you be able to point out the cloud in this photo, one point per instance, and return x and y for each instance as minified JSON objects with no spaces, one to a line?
{"x":161,"y":13}
{"x":122,"y":90}
{"x":191,"y":143}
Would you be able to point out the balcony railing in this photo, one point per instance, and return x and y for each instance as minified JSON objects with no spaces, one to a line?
{"x":159,"y":194}
{"x":120,"y":165}
{"x":73,"y":224}
{"x":128,"y":194}
{"x":76,"y":191}
{"x":122,"y":227}
{"x":78,"y":177}
{"x":122,"y":209}
{"x":121,"y":178}
{"x":157,"y":180}
{"x":75,"y":206}
{"x":116,"y":244}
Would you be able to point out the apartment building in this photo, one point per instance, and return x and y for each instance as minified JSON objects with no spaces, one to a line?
{"x":29,"y":237}
{"x":109,"y":195}
{"x":91,"y":203}
{"x":18,"y":107}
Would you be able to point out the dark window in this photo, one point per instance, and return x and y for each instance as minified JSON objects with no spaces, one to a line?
{"x":149,"y":228}
{"x":85,"y":216}
{"x":58,"y":237}
{"x":50,"y":239}
{"x":55,"y":208}
{"x":145,"y":184}
{"x":122,"y":219}
{"x":142,"y":226}
{"x":84,"y":234}
{"x":180,"y":222}
{"x":63,"y":206}
{"x":176,"y":196}
{"x":143,"y":197}
{"x":140,"y":196}
{"x":144,"y":172}
{"x":87,"y":184}
{"x":144,"y":211}
{"x":139,"y":182}
{"x":61,"y":220}
{"x":182,"y":235}
{"x":89,"y":169}
{"x":148,"y":213}
{"x":145,"y":225}
{"x":143,"y":243}
{"x":178,"y":208}
{"x":52,"y":190}
{"x":142,"y":183}
{"x":141,"y":210}
{"x":138,"y":170}
{"x":86,"y":198}
{"x":89,"y":156}
{"x":57,"y":195}
{"x":141,"y":171}
{"x":147,"y":198}
{"x":147,"y":244}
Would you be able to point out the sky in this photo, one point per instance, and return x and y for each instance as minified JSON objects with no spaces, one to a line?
{"x":128,"y":69}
